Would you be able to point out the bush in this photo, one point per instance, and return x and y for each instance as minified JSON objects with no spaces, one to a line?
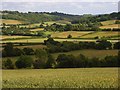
{"x":24,"y":62}
{"x":116,"y":45}
{"x":28,"y":51}
{"x":50,"y":62}
{"x":42,"y":58}
{"x":8,"y":64}
{"x":69,"y":36}
{"x":104,"y":44}
{"x":65,"y":61}
{"x":8,"y":50}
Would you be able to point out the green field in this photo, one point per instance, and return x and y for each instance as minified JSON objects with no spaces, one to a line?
{"x":61,"y":78}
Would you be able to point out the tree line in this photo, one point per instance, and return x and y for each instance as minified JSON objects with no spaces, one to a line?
{"x":44,"y":60}
{"x":55,"y":46}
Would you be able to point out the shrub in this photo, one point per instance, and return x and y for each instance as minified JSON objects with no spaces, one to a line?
{"x":28,"y":51}
{"x":42,"y":58}
{"x":24,"y":62}
{"x":69,"y":36}
{"x":8,"y":64}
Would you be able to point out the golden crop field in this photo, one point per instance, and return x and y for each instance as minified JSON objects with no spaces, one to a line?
{"x":110,"y":26}
{"x":13,"y":37}
{"x":7,"y":21}
{"x":75,"y":34}
{"x":37,"y":29}
{"x":109,"y":22}
{"x":61,"y":78}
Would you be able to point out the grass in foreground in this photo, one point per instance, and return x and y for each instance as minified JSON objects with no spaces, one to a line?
{"x":61,"y":78}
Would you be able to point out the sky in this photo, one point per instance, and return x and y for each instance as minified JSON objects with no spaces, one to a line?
{"x":65,"y":6}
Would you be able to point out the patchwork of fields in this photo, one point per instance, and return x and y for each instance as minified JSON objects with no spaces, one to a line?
{"x":61,"y":78}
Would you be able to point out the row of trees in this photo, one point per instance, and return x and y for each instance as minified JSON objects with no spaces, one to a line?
{"x":55,"y":46}
{"x":45,"y":60}
{"x":10,"y":51}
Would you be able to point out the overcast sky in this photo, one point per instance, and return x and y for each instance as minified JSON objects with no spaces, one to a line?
{"x":64,"y":7}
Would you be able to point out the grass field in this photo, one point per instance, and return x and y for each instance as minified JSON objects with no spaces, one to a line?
{"x":75,"y":34}
{"x":61,"y":78}
{"x":41,"y":40}
{"x":90,"y":53}
{"x":101,"y":34}
{"x":7,"y":21}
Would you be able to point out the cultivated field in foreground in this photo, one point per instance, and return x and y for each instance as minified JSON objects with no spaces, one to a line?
{"x":61,"y":78}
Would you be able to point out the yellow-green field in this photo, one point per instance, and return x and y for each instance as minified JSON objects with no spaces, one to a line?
{"x":41,"y":40}
{"x":13,"y":37}
{"x":37,"y":29}
{"x":110,"y":26}
{"x":7,"y":21}
{"x":101,"y":34}
{"x":90,"y":53}
{"x":75,"y":34}
{"x":109,"y":22}
{"x":61,"y":78}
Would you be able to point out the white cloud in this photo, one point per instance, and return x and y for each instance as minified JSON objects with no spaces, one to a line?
{"x":60,"y":1}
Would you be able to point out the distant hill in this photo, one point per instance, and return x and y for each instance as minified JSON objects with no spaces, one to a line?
{"x":37,"y":17}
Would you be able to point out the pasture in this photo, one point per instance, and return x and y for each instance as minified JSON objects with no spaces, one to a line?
{"x":61,"y":78}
